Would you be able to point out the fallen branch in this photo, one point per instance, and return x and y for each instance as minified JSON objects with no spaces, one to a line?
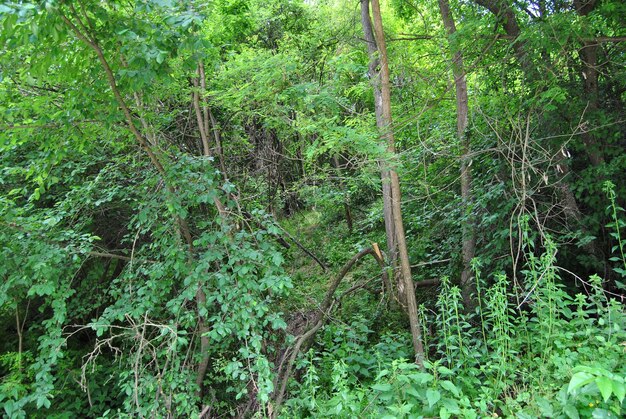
{"x":305,"y":250}
{"x":320,"y":318}
{"x":427,"y":282}
{"x":281,"y":240}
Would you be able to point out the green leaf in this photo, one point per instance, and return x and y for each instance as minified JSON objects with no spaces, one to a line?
{"x":619,"y":389}
{"x":571,"y":411}
{"x":451,"y":405}
{"x":444,"y":370}
{"x":605,"y":384}
{"x":602,"y":414}
{"x":42,"y":401}
{"x":578,"y":380}
{"x":433,"y":396}
{"x":382,"y":387}
{"x":448,"y":385}
{"x":545,"y":407}
{"x":421,"y":378}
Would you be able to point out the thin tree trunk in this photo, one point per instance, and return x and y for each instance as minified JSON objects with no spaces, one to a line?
{"x":218,"y":143}
{"x":20,"y":339}
{"x":205,"y":107}
{"x":383,"y":103}
{"x":201,"y":118}
{"x":210,"y":124}
{"x":373,"y":74}
{"x":468,"y":285}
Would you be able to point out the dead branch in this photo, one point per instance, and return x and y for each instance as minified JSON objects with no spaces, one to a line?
{"x":319,"y":320}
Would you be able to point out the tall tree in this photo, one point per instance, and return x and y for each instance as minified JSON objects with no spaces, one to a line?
{"x":392,"y":200}
{"x":462,"y":111}
{"x":373,"y":73}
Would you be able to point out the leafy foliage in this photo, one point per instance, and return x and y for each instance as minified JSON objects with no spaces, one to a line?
{"x":156,"y":153}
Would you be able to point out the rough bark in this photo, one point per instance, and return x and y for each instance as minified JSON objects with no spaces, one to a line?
{"x":200,"y":119}
{"x":468,"y":285}
{"x":383,"y":105}
{"x":373,"y":74}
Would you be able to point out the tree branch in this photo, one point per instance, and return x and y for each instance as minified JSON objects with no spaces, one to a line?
{"x":320,"y":319}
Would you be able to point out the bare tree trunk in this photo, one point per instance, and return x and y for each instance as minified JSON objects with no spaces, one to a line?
{"x":589,"y":57}
{"x":200,"y":119}
{"x":218,"y":143}
{"x":210,"y":124}
{"x":385,"y":177}
{"x":468,"y":285}
{"x":383,"y":105}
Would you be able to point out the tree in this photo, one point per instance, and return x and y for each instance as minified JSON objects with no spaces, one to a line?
{"x":462,"y":111}
{"x":394,"y":226}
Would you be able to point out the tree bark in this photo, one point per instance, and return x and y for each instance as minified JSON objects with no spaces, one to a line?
{"x":210,"y":124}
{"x":201,"y":119}
{"x":589,"y":57}
{"x":468,"y":285}
{"x":384,"y":122}
{"x":373,"y":74}
{"x":505,"y":14}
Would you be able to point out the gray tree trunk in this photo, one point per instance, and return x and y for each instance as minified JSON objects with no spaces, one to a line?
{"x":468,"y":285}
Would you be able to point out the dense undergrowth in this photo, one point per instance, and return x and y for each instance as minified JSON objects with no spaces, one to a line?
{"x":541,"y":351}
{"x":183,"y":183}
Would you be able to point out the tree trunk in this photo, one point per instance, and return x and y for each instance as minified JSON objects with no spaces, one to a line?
{"x":505,"y":14}
{"x":373,"y":74}
{"x":383,"y":113}
{"x":468,"y":285}
{"x":589,"y":56}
